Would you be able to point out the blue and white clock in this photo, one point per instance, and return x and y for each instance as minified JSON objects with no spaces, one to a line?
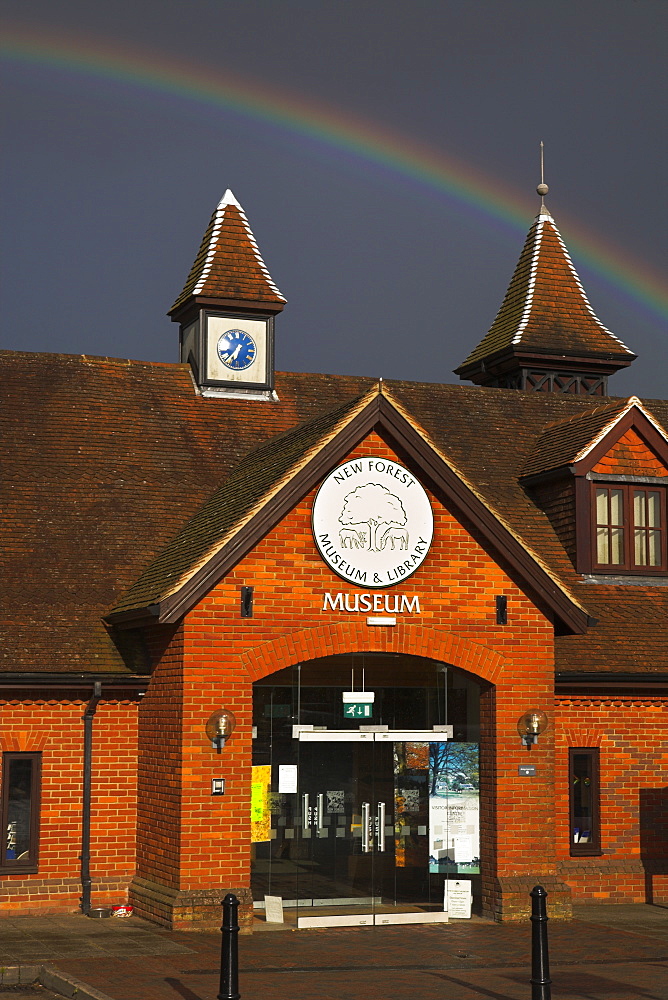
{"x":236,"y":349}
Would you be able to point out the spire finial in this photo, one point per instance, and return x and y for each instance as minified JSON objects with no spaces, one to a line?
{"x":542,"y":188}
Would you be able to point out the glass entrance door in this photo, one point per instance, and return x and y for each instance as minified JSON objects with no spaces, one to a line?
{"x":345,"y":788}
{"x":355,"y":840}
{"x":364,"y":823}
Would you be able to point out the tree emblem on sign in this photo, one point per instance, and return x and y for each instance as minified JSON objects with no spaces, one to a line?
{"x":366,"y":511}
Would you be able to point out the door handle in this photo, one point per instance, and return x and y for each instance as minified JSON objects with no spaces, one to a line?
{"x":380,"y":827}
{"x":321,"y":810}
{"x":306,"y":811}
{"x":366,"y":827}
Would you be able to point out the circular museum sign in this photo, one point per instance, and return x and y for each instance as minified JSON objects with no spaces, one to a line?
{"x":372,"y":522}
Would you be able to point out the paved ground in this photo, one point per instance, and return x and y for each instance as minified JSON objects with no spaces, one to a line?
{"x":607,"y":953}
{"x":32,"y":991}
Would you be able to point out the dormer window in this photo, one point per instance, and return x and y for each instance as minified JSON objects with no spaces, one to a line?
{"x":629,"y":528}
{"x":601,"y":476}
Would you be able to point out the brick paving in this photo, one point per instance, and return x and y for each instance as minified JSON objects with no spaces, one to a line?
{"x":35,"y":991}
{"x":607,"y":953}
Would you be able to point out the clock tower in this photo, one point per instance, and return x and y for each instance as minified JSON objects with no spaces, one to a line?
{"x":226,"y":310}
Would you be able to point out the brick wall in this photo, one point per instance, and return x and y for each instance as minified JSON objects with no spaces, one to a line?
{"x":632,"y":733}
{"x":54,"y":727}
{"x":631,"y":456}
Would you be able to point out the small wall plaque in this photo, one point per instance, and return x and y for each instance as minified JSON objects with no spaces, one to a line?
{"x":526,"y":770}
{"x":218,"y":786}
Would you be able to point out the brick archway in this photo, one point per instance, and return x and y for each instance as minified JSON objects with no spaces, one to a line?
{"x":354,"y":636}
{"x":481,"y":662}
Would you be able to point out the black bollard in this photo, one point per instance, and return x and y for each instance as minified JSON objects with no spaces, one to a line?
{"x":229,"y":954}
{"x":540,"y":959}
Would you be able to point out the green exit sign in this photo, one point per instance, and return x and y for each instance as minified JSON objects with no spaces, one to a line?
{"x":358,"y":704}
{"x":359,"y":710}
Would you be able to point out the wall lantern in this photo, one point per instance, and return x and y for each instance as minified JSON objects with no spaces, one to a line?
{"x":531,"y":725}
{"x":220,"y":727}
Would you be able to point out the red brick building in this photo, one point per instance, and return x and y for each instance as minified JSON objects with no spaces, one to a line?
{"x":436,"y":613}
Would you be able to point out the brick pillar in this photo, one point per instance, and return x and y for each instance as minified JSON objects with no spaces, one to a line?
{"x":194,"y":847}
{"x":215,"y":829}
{"x":156,"y":881}
{"x":524,"y":807}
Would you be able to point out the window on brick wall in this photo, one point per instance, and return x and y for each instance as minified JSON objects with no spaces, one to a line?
{"x":585,"y":827}
{"x":629,"y":528}
{"x":21,"y":774}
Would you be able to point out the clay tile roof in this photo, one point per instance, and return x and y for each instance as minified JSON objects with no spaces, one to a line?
{"x":568,"y":441}
{"x":105,"y":461}
{"x":561,"y":442}
{"x":251,"y":482}
{"x":545,"y":309}
{"x":229,"y":264}
{"x":631,"y":635}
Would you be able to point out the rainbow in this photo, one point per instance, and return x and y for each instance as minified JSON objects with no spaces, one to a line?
{"x":398,"y":155}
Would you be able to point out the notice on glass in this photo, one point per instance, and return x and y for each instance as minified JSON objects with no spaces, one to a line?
{"x":454,"y":808}
{"x":463,"y":848}
{"x":287,"y":778}
{"x":260,"y":810}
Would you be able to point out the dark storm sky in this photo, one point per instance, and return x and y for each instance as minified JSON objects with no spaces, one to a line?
{"x":108,"y":185}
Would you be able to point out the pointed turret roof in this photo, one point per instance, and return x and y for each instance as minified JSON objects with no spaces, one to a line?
{"x":229,"y":265}
{"x":545,"y":317}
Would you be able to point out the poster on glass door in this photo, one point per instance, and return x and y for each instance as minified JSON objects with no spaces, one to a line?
{"x":454,"y":808}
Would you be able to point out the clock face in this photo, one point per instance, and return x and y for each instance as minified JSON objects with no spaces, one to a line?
{"x":236,"y":349}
